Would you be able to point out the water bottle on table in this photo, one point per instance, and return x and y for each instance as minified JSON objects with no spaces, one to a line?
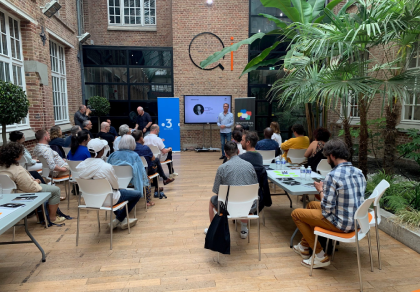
{"x":278,"y":163}
{"x":283,"y":163}
{"x":302,"y":172}
{"x":308,"y":173}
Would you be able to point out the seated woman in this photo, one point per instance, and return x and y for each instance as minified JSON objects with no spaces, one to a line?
{"x":276,"y":132}
{"x":314,"y":151}
{"x":55,"y":136}
{"x":237,"y":138}
{"x":10,"y":154}
{"x":126,"y":156}
{"x":123,"y":130}
{"x":78,"y":147}
{"x":32,"y":164}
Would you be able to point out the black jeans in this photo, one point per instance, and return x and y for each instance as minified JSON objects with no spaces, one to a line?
{"x":170,"y":165}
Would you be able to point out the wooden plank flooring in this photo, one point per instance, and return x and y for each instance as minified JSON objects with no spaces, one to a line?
{"x":164,"y":251}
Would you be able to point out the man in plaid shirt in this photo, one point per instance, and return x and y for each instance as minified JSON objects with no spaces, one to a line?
{"x":342,"y":193}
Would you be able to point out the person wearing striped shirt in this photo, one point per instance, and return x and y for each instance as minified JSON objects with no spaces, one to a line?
{"x":342,"y":192}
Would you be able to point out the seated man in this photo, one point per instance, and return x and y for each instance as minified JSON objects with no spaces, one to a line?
{"x":235,"y":172}
{"x":97,"y":168}
{"x":152,"y":162}
{"x":104,"y":134}
{"x":56,"y":164}
{"x":299,"y":142}
{"x":165,"y":153}
{"x":10,"y":154}
{"x":342,"y":192}
{"x":267,"y":143}
{"x":249,"y":140}
{"x":87,"y":126}
{"x":112,"y":130}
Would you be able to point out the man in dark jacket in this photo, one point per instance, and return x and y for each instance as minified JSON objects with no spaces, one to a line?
{"x":81,"y":115}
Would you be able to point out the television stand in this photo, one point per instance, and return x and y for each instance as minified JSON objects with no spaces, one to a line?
{"x":204,"y":149}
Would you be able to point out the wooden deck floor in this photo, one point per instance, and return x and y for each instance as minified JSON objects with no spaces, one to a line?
{"x":164,"y":251}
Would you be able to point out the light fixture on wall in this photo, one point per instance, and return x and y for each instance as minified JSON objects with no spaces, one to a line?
{"x":209,"y":2}
{"x":84,"y":37}
{"x":50,"y":8}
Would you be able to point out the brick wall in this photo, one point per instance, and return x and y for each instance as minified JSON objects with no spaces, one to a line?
{"x":64,"y":25}
{"x":226,"y":19}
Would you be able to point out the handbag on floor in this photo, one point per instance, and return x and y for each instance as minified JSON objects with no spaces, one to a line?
{"x":218,"y":235}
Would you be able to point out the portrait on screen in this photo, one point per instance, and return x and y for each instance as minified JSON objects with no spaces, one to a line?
{"x":198,"y":109}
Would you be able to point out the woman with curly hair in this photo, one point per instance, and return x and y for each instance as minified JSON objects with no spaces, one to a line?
{"x":10,"y":154}
{"x":31,"y":164}
{"x":314,"y":151}
{"x":55,"y":136}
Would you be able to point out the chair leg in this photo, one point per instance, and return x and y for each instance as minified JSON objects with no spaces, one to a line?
{"x":77,"y":232}
{"x":128,"y":218}
{"x":249,"y":231}
{"x":236,"y":224}
{"x":333,"y":252}
{"x":218,"y":257}
{"x":313,"y":255}
{"x":110,"y":221}
{"x":106,"y":215}
{"x":370,"y":252}
{"x":259,"y":240}
{"x":358,"y":261}
{"x":377,"y":239}
{"x":45,"y":216}
{"x":67,"y":188}
{"x":135,"y":211}
{"x":263,"y":216}
{"x":99,"y":222}
{"x":14,"y":233}
{"x":326,"y":246}
{"x":145,"y":197}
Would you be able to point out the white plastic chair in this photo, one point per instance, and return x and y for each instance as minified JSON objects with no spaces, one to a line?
{"x":323,"y":167}
{"x":362,"y":217}
{"x":66,"y":150}
{"x":296,"y":155}
{"x":267,"y":155}
{"x":150,"y":177}
{"x":46,"y":172}
{"x":74,"y":174}
{"x":156,"y":152}
{"x":378,"y":191}
{"x":95,"y":192}
{"x":22,"y":162}
{"x":240,"y":202}
{"x":124,"y":174}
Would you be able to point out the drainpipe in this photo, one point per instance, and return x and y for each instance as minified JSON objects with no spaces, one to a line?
{"x":80,"y":54}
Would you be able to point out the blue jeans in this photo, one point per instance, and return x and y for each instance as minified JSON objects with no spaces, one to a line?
{"x":132,"y":196}
{"x":224,"y":137}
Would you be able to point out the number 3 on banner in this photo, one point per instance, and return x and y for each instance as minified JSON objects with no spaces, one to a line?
{"x":168,"y":121}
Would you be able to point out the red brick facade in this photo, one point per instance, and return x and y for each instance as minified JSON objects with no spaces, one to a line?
{"x":63,"y":27}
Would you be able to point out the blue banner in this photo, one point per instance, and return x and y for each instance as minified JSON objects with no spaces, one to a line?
{"x":168,"y":119}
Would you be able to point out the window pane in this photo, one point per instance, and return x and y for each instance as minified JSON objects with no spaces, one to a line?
{"x":106,"y":74}
{"x":126,"y":11}
{"x":416,"y":113}
{"x":408,"y":112}
{"x":150,"y":58}
{"x":4,"y":72}
{"x":104,"y":57}
{"x":109,"y":91}
{"x":111,"y":2}
{"x":160,"y":91}
{"x":150,"y":75}
{"x":264,"y":76}
{"x":3,"y":39}
{"x":259,"y":92}
{"x":140,"y":92}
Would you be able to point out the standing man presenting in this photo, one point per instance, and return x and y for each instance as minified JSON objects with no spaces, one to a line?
{"x":81,"y":115}
{"x":143,"y":122}
{"x":225,"y":121}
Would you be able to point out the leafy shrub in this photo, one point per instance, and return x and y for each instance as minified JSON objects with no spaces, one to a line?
{"x":411,"y":149}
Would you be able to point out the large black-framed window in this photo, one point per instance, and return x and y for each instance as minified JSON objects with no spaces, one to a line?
{"x":128,"y":77}
{"x":261,"y":80}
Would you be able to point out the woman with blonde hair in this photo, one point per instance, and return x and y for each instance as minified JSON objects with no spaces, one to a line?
{"x":276,"y":132}
{"x":55,"y":136}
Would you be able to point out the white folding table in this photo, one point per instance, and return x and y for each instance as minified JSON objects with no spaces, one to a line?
{"x":13,"y":218}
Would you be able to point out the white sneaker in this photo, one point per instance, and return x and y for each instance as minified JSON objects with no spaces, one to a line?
{"x":303,"y":253}
{"x":124,"y":223}
{"x":244,"y":233}
{"x":174,"y":174}
{"x":115,"y":223}
{"x":205,"y":230}
{"x":318,"y":263}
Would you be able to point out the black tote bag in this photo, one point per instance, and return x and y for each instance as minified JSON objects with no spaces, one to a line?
{"x":218,"y":235}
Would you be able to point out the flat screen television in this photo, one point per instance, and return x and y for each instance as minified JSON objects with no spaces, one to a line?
{"x":204,"y":109}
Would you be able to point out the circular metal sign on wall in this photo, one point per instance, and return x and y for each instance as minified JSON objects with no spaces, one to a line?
{"x":215,"y":40}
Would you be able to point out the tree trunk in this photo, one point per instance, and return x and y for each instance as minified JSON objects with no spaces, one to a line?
{"x":3,"y":134}
{"x":309,"y":120}
{"x":390,"y":137}
{"x":347,"y":137}
{"x":364,"y":135}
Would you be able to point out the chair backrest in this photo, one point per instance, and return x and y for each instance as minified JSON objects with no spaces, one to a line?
{"x":362,"y":215}
{"x":95,"y":191}
{"x":72,"y":166}
{"x":380,"y":188}
{"x":7,"y":184}
{"x":22,"y":162}
{"x":296,"y":155}
{"x":124,"y":174}
{"x":240,"y":198}
{"x":267,"y":155}
{"x":66,"y":150}
{"x":323,"y":167}
{"x":144,"y":161}
{"x":45,"y":167}
{"x":155,"y":150}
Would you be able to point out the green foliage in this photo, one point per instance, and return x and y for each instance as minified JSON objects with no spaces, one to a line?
{"x":14,"y":105}
{"x":411,"y":149}
{"x":100,"y":105}
{"x":410,"y":217}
